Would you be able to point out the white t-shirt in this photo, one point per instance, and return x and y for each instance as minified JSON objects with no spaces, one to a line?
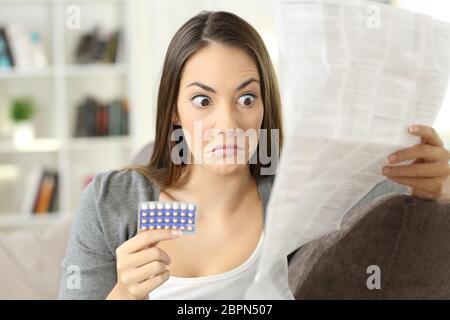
{"x":225,"y":286}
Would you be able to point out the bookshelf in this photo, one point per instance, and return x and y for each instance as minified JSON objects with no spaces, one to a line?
{"x":57,"y":90}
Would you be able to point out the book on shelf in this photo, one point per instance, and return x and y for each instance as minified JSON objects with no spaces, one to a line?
{"x":88,"y":179}
{"x":6,"y":57}
{"x":95,"y":118}
{"x":41,"y":196}
{"x":21,"y":48}
{"x":98,"y":46}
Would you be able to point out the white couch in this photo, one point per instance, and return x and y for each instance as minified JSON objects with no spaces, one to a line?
{"x":30,"y":261}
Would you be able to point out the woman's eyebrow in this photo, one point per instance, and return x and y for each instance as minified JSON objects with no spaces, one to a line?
{"x":201,"y":85}
{"x":246,"y":83}
{"x":207,"y":88}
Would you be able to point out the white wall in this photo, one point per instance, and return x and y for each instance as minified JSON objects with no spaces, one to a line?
{"x":439,"y":9}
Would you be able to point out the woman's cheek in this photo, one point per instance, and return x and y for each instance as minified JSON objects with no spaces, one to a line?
{"x":258,"y":123}
{"x":188,"y":133}
{"x":197,"y":139}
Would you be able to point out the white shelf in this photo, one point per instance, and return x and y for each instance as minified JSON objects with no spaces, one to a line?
{"x":15,"y":220}
{"x":45,"y":145}
{"x":99,"y":142}
{"x":73,"y":70}
{"x":38,"y":145}
{"x":58,"y":89}
{"x":95,"y":70}
{"x":25,"y":2}
{"x":27,"y":74}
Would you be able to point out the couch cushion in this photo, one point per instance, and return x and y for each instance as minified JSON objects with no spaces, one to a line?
{"x":30,"y":261}
{"x":407,"y":238}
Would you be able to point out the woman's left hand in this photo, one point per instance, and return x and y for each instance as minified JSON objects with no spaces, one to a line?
{"x":429,"y":175}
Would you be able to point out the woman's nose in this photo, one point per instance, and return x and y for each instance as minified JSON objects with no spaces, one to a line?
{"x":226,"y":117}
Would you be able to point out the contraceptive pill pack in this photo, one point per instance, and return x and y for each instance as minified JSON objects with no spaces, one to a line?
{"x":175,"y":215}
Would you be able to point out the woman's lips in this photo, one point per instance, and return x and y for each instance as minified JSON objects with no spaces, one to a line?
{"x":225,"y":147}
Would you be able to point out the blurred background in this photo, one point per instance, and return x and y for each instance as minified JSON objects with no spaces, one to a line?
{"x":78,"y":87}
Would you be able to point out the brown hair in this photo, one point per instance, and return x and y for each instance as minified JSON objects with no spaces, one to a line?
{"x":222,"y":27}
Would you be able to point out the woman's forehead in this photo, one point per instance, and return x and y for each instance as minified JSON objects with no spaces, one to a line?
{"x":218,"y":62}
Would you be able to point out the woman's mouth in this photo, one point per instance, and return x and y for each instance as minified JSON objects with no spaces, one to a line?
{"x":226,"y":149}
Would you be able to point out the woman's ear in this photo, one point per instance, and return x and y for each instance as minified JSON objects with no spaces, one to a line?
{"x":175,"y":119}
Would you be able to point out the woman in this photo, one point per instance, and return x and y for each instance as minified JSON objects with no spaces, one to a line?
{"x":217,"y":81}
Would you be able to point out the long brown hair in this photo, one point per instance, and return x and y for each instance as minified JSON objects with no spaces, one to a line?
{"x":222,"y":27}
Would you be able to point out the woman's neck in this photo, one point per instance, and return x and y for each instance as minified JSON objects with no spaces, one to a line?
{"x":214,"y":193}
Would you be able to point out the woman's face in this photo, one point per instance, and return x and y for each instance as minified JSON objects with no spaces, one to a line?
{"x":220,"y":108}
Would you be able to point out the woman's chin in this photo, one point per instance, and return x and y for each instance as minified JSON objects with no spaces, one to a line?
{"x":223,"y":164}
{"x":224,"y":168}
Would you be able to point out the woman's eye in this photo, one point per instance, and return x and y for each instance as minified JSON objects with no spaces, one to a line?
{"x":201,"y":101}
{"x":247,"y":99}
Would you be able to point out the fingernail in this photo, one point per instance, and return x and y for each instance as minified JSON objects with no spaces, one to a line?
{"x":175,"y":232}
{"x":392,"y":158}
{"x":386,"y":170}
{"x":413,"y":129}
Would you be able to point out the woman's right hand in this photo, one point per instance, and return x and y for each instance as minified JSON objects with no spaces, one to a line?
{"x":141,"y":265}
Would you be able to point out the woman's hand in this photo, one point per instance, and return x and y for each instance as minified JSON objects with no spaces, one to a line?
{"x":429,"y":175}
{"x":141,"y":265}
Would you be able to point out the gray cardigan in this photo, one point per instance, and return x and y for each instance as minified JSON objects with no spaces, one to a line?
{"x":106,"y":217}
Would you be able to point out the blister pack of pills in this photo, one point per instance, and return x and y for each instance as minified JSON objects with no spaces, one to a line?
{"x":157,"y":215}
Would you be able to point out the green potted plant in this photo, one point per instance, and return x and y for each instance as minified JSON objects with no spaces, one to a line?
{"x":22,"y":110}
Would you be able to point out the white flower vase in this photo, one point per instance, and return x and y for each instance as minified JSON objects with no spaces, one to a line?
{"x":23,"y":134}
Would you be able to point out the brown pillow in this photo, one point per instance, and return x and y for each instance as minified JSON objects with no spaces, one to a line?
{"x":407,"y":238}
